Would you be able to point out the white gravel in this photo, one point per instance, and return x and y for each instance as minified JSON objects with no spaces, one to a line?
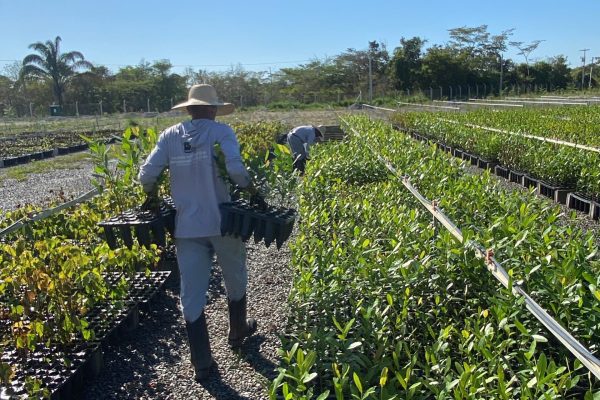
{"x":41,"y":188}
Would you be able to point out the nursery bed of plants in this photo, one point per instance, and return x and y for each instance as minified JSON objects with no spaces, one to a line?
{"x":386,"y":304}
{"x":527,"y":161}
{"x":572,"y":124}
{"x":21,"y":149}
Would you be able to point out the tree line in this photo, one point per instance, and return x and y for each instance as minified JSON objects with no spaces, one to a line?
{"x":473,"y":56}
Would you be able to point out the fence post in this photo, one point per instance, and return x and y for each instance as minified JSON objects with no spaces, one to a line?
{"x":31,"y":109}
{"x":459,"y":92}
{"x":76,"y":108}
{"x":124,"y":107}
{"x":100,"y":108}
{"x":441,"y":92}
{"x":148,"y":104}
{"x":484,"y":91}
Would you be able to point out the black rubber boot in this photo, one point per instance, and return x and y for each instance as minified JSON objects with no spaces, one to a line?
{"x":239,"y":327}
{"x":202,"y":360}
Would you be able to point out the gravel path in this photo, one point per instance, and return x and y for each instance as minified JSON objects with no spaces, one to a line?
{"x":41,"y":188}
{"x":153,"y":361}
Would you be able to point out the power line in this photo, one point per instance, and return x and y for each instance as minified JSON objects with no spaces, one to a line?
{"x":201,"y":65}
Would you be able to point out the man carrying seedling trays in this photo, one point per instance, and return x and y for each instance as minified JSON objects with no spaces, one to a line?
{"x":186,"y":149}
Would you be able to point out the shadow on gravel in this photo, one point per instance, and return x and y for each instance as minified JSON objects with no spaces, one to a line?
{"x":220,"y":390}
{"x":251,"y":351}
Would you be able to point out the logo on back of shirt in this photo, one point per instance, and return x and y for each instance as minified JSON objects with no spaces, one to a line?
{"x":187,"y":147}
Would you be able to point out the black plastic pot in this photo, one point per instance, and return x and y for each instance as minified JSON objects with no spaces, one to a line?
{"x":501,"y":171}
{"x":270,"y":229}
{"x":529,"y":182}
{"x":516,"y":177}
{"x":248,"y":224}
{"x":485,"y":164}
{"x":48,"y":153}
{"x":286,"y":227}
{"x":226,"y":219}
{"x":238,"y":220}
{"x":259,"y":228}
{"x":556,"y":193}
{"x":579,"y":202}
{"x":474,"y":160}
{"x":10,"y":162}
{"x":36,"y":156}
{"x":24,"y":159}
{"x":595,"y":212}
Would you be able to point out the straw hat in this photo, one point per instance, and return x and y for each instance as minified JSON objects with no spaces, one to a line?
{"x":205,"y":95}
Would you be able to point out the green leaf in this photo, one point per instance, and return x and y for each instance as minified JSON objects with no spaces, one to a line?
{"x":323,"y":395}
{"x":357,"y":382}
{"x":309,"y":377}
{"x":383,"y":377}
{"x":521,"y":327}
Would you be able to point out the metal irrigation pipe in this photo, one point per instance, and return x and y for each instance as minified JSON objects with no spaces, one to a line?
{"x":48,"y":212}
{"x":526,"y":135}
{"x":428,"y":105}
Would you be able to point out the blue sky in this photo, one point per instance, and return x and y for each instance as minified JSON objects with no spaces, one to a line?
{"x":263,"y":34}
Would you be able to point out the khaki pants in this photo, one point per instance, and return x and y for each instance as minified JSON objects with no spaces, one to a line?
{"x":194,"y":257}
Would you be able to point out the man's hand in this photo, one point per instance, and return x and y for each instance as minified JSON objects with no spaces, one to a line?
{"x":152,"y":203}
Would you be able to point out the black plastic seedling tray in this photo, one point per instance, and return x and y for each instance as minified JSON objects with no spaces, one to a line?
{"x":146,"y":226}
{"x":241,"y":219}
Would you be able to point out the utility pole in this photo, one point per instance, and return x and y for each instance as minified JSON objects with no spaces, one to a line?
{"x":271,"y":85}
{"x":370,"y":81}
{"x":583,"y":67}
{"x":591,"y":68}
{"x":501,"y":71}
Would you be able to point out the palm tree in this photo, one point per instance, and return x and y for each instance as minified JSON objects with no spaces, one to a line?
{"x":51,"y":64}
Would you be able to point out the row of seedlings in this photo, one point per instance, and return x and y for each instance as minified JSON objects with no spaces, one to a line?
{"x":588,"y":204}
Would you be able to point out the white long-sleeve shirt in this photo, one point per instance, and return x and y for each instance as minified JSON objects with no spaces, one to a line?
{"x":299,"y":139}
{"x":196,"y":188}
